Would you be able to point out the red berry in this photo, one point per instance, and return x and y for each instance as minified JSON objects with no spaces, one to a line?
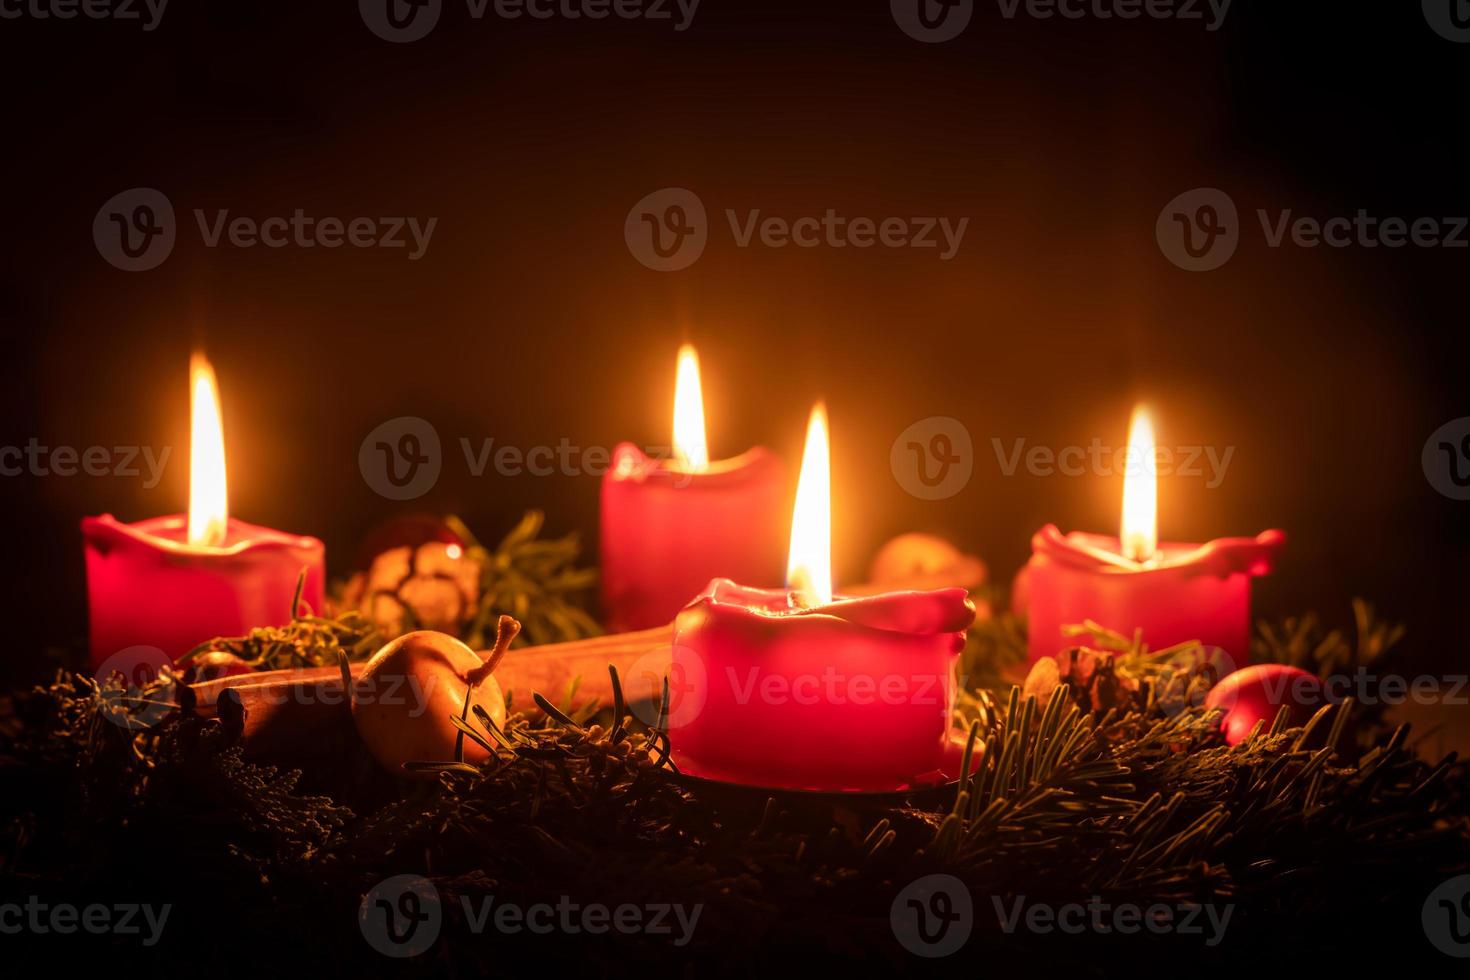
{"x":1257,"y":693}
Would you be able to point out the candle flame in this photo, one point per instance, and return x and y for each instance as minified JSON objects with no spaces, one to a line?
{"x":1140,"y":533}
{"x":809,"y":568}
{"x":690,"y":448}
{"x":208,"y":500}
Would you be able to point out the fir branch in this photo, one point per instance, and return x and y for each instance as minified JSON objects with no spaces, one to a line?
{"x":533,"y":579}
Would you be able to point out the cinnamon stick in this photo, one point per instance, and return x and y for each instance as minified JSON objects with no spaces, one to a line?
{"x":642,"y":658}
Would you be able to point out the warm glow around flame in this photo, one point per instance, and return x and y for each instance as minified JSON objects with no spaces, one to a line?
{"x":690,"y":448}
{"x":1140,"y":533}
{"x":809,"y":568}
{"x":208,"y":501}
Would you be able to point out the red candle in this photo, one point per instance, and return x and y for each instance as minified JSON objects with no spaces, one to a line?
{"x":669,"y":526}
{"x":1170,"y":593}
{"x":171,"y":583}
{"x":801,"y":690}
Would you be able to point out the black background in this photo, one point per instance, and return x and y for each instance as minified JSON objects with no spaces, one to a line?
{"x":529,"y":321}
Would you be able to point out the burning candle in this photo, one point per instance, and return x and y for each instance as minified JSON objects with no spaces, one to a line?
{"x":1170,"y":593}
{"x":669,"y":526}
{"x":173,"y":582}
{"x":803,"y":690}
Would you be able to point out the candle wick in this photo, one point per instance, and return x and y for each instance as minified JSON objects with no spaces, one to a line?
{"x":800,"y":596}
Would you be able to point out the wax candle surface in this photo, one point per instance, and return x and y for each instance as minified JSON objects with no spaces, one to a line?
{"x":1188,"y":592}
{"x":667,"y":530}
{"x":147,"y":587}
{"x":854,"y":695}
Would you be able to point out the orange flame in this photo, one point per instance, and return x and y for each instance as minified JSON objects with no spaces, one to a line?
{"x":690,"y":448}
{"x":809,"y":567}
{"x":1140,"y":533}
{"x":209,"y":509}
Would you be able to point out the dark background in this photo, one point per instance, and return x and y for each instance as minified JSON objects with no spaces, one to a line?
{"x":528,"y":320}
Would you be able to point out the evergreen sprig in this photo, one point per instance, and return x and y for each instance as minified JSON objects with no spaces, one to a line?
{"x":535,"y":580}
{"x":1065,"y":805}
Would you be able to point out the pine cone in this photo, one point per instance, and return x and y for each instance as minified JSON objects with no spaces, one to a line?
{"x":1092,"y":678}
{"x":434,"y":586}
